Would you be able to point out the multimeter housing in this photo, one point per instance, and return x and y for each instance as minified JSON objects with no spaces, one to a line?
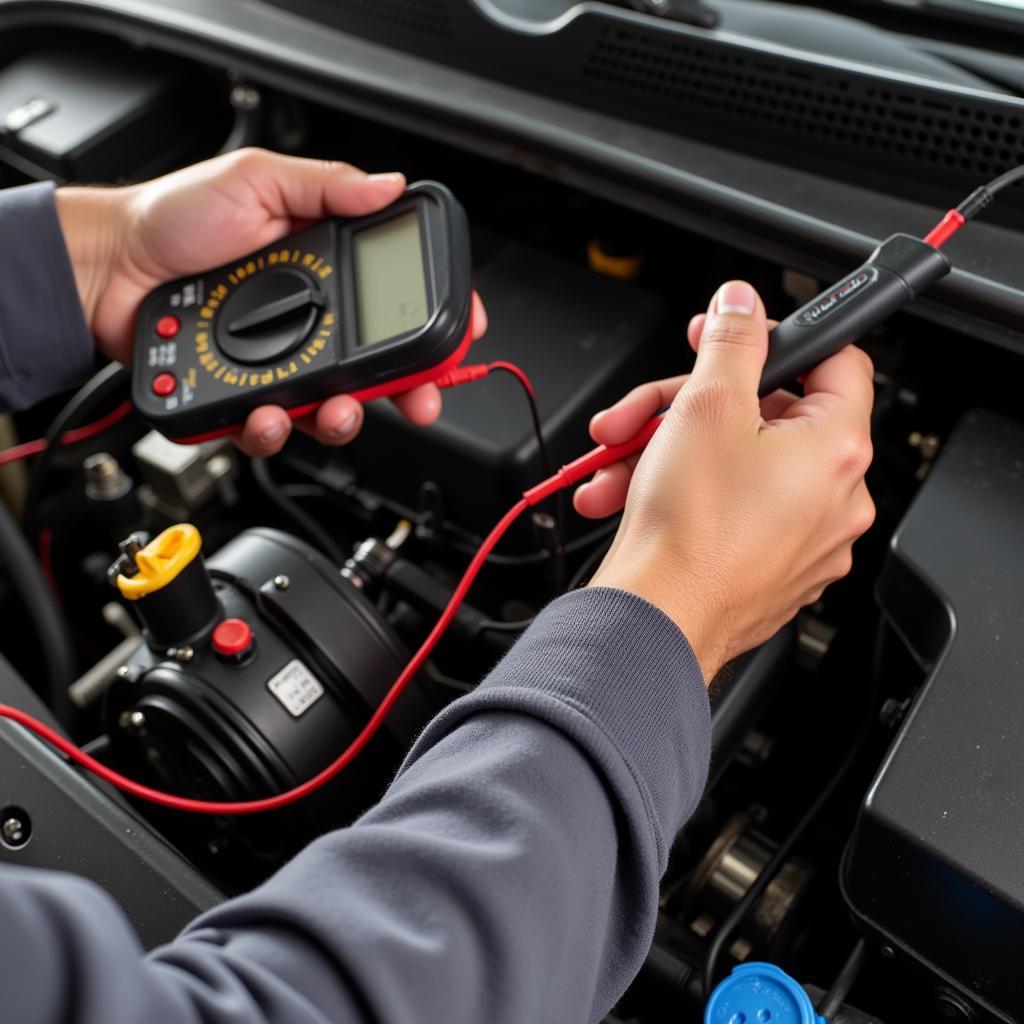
{"x":284,"y":326}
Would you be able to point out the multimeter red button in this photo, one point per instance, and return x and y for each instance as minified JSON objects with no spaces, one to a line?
{"x":231,"y":638}
{"x":167,"y":327}
{"x":164,"y":384}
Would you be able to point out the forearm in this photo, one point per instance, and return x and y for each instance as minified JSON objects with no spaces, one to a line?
{"x":45,"y":344}
{"x":510,"y":873}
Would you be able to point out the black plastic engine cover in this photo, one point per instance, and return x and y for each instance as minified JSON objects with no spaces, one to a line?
{"x":935,"y":867}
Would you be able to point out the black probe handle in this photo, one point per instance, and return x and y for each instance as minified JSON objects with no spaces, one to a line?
{"x":896,"y":273}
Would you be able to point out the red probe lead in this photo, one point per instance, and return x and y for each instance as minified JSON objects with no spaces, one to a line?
{"x":565,"y":477}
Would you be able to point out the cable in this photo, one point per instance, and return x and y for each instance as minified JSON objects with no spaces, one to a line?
{"x":27,"y":449}
{"x":834,"y":999}
{"x":565,"y":477}
{"x":978,"y":200}
{"x":92,"y":394}
{"x":502,"y":365}
{"x":725,"y":930}
{"x":40,"y":606}
{"x":306,"y":523}
{"x":466,"y":374}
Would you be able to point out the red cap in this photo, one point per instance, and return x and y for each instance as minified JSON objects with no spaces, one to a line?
{"x":232,"y":637}
{"x":167,"y":326}
{"x":164,"y":384}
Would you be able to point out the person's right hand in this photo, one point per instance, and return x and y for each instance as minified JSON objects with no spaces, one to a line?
{"x":740,"y":512}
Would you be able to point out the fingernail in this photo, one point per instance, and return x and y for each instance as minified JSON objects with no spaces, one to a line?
{"x":346,"y":426}
{"x":737,"y":297}
{"x":272,"y":434}
{"x":391,"y":177}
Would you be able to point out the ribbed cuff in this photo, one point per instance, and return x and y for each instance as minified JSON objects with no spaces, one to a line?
{"x":618,"y":676}
{"x":45,"y":345}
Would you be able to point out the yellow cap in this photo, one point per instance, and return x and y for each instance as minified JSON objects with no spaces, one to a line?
{"x":161,"y":560}
{"x":624,"y":268}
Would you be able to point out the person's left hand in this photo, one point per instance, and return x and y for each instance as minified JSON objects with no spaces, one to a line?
{"x":124,"y":242}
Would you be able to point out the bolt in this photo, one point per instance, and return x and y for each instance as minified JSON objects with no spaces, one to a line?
{"x":282,"y":582}
{"x":133,"y":722}
{"x":184,"y":653}
{"x":16,"y":828}
{"x":218,"y":466}
{"x":124,"y":672}
{"x":888,"y":952}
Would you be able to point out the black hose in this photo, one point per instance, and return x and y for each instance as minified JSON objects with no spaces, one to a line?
{"x":55,"y":643}
{"x":834,"y":999}
{"x":79,"y":407}
{"x":305,"y":522}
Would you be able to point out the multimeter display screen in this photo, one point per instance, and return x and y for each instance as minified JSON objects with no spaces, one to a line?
{"x":391,"y":286}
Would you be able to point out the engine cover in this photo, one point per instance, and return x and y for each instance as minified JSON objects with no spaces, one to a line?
{"x":935,"y":868}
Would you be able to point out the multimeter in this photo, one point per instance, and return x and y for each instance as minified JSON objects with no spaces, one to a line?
{"x":368,"y":306}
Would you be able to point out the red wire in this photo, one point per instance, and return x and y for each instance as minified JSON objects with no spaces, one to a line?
{"x":565,"y":477}
{"x":29,"y":448}
{"x":271,"y":803}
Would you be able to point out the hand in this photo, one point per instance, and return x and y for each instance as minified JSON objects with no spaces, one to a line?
{"x":125,"y":241}
{"x":740,"y":512}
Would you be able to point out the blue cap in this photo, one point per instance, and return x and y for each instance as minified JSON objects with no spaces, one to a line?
{"x":757,"y":993}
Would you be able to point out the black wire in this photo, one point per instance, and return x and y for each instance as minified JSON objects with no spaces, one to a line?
{"x":983,"y":197}
{"x":588,"y":565}
{"x":56,"y":645}
{"x":497,"y":626}
{"x":305,"y":522}
{"x":834,"y":999}
{"x":467,"y":542}
{"x":1005,"y":180}
{"x":547,"y":464}
{"x":80,"y":406}
{"x":725,"y":930}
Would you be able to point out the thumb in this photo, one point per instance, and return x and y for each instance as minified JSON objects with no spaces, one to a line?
{"x":734,"y":339}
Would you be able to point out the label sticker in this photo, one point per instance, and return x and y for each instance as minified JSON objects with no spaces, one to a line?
{"x":296,"y":688}
{"x":825,"y":305}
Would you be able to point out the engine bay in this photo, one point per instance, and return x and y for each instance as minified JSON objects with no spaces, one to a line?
{"x":861,"y":815}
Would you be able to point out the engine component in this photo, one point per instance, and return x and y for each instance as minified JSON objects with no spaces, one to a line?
{"x":181,"y":479}
{"x":729,"y":868}
{"x":933,"y":868}
{"x":257,"y":672}
{"x":57,"y":806}
{"x":760,"y":992}
{"x":76,"y":114}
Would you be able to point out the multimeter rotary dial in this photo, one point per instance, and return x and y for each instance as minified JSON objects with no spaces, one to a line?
{"x":367,"y":306}
{"x":268,"y":316}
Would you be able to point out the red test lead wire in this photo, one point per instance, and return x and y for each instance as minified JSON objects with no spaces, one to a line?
{"x":565,"y":477}
{"x":29,"y":448}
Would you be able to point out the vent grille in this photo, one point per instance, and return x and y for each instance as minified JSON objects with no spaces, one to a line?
{"x":727,"y":89}
{"x":429,"y":18}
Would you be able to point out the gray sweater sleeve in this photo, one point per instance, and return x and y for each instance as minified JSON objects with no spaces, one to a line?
{"x":510,"y":873}
{"x":44,"y":342}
